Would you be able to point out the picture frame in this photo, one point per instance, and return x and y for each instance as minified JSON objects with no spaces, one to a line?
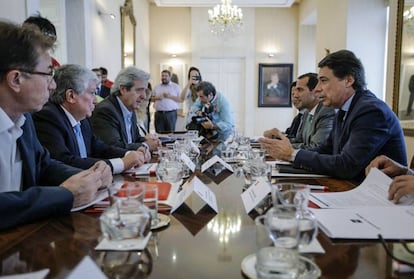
{"x":274,"y":85}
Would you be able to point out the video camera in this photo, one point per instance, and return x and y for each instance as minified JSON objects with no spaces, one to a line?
{"x":196,"y":125}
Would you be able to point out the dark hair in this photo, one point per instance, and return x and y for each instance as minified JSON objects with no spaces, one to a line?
{"x":206,"y":87}
{"x":344,"y":63}
{"x":194,"y":69}
{"x":45,"y":26}
{"x":312,"y":80}
{"x":103,"y":70}
{"x":166,"y":71}
{"x":293,"y":84}
{"x":20,"y":47}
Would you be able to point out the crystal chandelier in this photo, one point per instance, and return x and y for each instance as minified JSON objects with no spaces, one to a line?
{"x":224,"y":18}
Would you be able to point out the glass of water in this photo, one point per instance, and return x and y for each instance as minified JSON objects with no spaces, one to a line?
{"x":128,"y":217}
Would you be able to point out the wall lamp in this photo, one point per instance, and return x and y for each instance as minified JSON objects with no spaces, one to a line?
{"x":111,"y":15}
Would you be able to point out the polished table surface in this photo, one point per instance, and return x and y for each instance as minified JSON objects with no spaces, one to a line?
{"x":191,"y":246}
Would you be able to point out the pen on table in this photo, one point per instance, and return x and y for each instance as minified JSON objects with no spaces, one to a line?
{"x":319,"y":187}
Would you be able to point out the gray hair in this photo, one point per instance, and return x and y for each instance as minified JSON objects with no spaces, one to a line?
{"x":127,"y":77}
{"x":73,"y":77}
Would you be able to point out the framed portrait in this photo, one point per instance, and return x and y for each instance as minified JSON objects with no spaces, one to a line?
{"x":274,"y":85}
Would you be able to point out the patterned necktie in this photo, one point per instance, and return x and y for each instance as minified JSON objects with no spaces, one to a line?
{"x":308,"y":129}
{"x":79,"y":139}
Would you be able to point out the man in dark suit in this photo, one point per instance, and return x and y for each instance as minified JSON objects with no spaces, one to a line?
{"x":317,"y":120}
{"x":25,"y":83}
{"x":364,"y":128}
{"x":114,"y":120}
{"x":71,"y":102}
{"x":101,"y":89}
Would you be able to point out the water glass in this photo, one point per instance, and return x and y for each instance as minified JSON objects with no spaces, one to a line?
{"x":151,"y":201}
{"x":170,"y":171}
{"x":128,"y":217}
{"x":298,"y":194}
{"x":273,"y":262}
{"x":283,"y":226}
{"x":227,"y":154}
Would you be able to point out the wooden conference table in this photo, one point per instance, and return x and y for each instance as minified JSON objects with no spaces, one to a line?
{"x":205,"y":245}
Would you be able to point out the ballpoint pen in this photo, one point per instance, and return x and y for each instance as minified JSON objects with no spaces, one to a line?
{"x":319,"y":187}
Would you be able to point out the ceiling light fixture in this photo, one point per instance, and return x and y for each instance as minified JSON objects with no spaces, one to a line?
{"x":225,"y":18}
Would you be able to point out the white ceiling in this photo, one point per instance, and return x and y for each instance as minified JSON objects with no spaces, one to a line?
{"x":240,"y":3}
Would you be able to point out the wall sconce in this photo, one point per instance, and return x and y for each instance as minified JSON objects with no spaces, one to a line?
{"x":111,"y":15}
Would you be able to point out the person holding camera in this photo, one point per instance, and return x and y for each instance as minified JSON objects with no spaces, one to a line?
{"x":189,"y":93}
{"x":211,"y":113}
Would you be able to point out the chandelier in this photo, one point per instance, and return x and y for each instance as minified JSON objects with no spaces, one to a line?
{"x":409,"y":21}
{"x":225,"y":18}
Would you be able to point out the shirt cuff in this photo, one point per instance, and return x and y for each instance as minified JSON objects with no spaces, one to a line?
{"x":293,"y":156}
{"x":117,"y":165}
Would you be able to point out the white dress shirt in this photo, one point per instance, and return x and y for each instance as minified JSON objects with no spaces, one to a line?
{"x":10,"y":160}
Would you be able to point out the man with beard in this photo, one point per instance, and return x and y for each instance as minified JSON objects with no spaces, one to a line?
{"x":166,"y":97}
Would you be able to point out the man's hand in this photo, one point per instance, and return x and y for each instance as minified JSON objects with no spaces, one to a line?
{"x":153,"y":142}
{"x":401,"y":185}
{"x":85,"y":184}
{"x":271,"y":133}
{"x":279,"y":148}
{"x":145,"y":152}
{"x":387,"y":166}
{"x":133,"y":159}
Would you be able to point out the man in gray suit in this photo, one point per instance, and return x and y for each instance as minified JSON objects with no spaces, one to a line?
{"x":317,"y":120}
{"x":114,"y":120}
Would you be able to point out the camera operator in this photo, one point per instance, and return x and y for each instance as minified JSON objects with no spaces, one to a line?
{"x":212,"y":113}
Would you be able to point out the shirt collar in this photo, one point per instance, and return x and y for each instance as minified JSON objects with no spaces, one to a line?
{"x":125,"y":112}
{"x":6,"y":123}
{"x":347,"y":104}
{"x":72,"y":119}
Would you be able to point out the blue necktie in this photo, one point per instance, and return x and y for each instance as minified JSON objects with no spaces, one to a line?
{"x":338,"y":131}
{"x":79,"y":139}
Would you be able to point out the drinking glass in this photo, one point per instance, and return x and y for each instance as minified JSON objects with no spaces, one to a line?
{"x":283,"y":226}
{"x":128,"y":217}
{"x":298,"y":194}
{"x":170,"y":171}
{"x":151,"y":201}
{"x":271,"y":261}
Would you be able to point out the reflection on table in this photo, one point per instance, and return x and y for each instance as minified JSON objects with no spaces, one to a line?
{"x":202,"y":245}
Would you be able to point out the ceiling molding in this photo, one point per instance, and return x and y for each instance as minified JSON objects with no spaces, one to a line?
{"x":240,"y":3}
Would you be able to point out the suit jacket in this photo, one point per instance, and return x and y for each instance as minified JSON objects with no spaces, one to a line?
{"x":370,"y":129}
{"x":55,"y":132}
{"x":294,"y":126}
{"x":322,"y":124}
{"x":108,"y":124}
{"x":36,"y":202}
{"x":105,"y":91}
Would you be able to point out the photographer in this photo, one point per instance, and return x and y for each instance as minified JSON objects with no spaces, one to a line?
{"x":212,"y":113}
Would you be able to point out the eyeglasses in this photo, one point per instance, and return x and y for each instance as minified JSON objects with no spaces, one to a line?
{"x":48,"y":75}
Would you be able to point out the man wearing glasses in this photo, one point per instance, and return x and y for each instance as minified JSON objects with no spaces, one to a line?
{"x":64,"y":129}
{"x":26,"y":79}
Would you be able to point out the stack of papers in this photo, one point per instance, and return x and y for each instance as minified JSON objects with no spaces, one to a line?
{"x":144,"y":170}
{"x":365,"y":212}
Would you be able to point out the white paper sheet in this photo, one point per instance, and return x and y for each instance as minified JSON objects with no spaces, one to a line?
{"x":373,"y":191}
{"x":367,"y":222}
{"x":41,"y":274}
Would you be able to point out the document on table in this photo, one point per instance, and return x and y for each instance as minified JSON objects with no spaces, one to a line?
{"x":144,"y":170}
{"x":393,"y":223}
{"x":373,"y":191}
{"x":277,"y":173}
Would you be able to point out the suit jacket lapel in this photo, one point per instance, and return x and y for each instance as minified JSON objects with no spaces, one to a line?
{"x":120,"y":117}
